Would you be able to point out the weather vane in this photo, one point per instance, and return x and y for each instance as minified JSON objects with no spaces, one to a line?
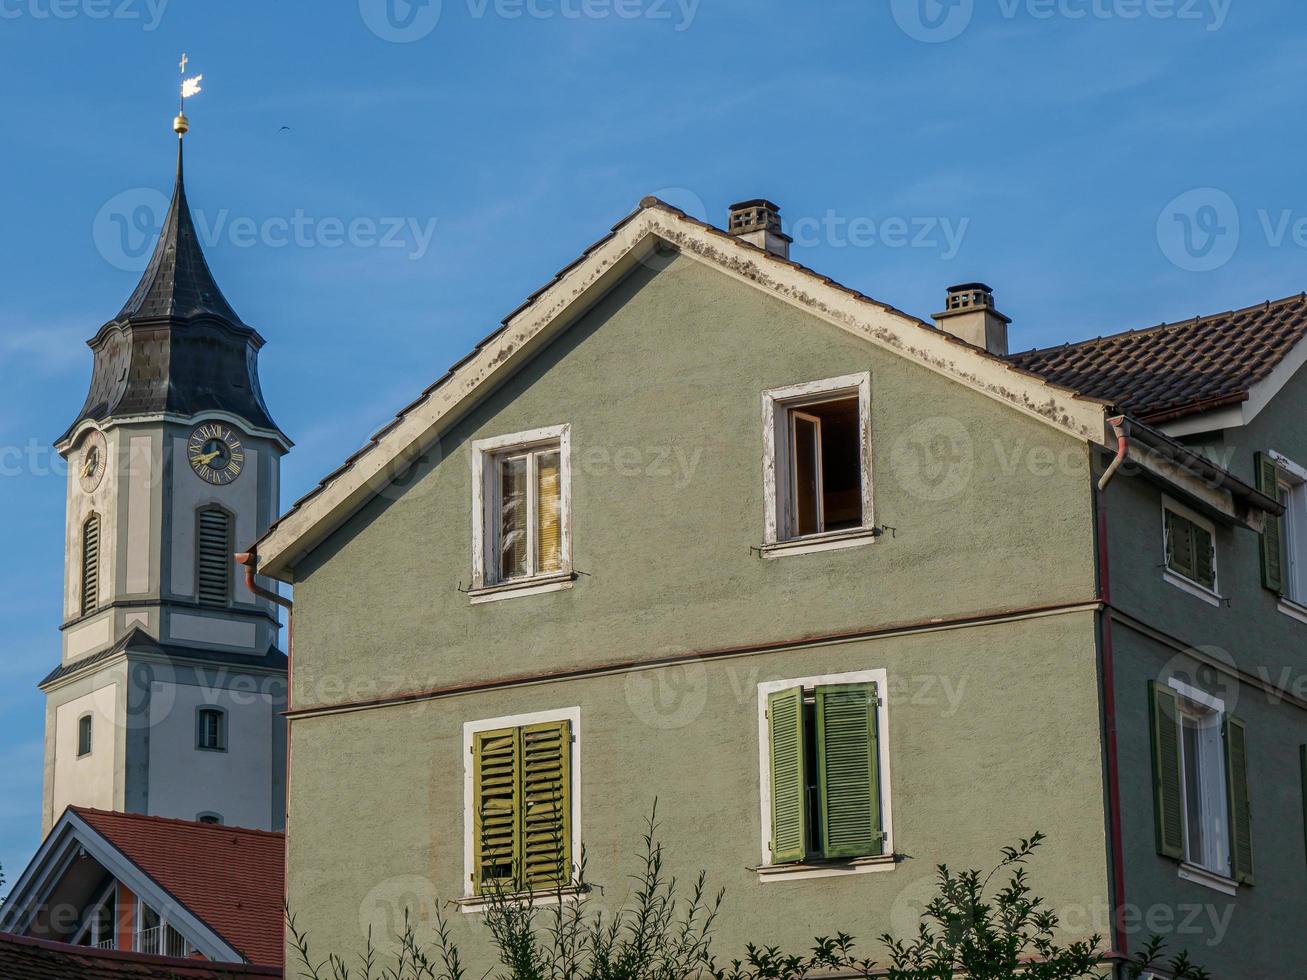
{"x":190,"y":86}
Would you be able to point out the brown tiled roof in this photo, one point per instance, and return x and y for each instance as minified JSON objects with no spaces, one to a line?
{"x":229,"y":877}
{"x":22,"y":958}
{"x":1177,"y":368}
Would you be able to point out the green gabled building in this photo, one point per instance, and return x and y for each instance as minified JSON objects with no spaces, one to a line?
{"x":851,"y":594}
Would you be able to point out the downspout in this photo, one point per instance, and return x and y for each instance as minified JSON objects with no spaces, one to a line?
{"x":250,"y":559}
{"x":1120,"y":941}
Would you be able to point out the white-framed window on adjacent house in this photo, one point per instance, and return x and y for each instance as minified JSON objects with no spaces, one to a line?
{"x":521,"y":509}
{"x":1284,"y":560}
{"x":817,"y":464}
{"x":1189,"y":551}
{"x":522,"y":804}
{"x":823,"y":767}
{"x":1200,"y":770}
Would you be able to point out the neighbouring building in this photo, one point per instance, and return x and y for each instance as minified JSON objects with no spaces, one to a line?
{"x":149,"y":885}
{"x":167,"y":699}
{"x":850,"y":594}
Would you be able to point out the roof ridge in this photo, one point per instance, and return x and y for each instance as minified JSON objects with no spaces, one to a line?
{"x":150,"y":817}
{"x":1194,"y":321}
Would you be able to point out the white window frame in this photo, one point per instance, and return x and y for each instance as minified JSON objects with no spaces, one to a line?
{"x":1213,"y":595}
{"x":486,"y":584}
{"x":769,"y":871}
{"x":1293,"y":478}
{"x":1211,"y":869}
{"x":777,"y":470}
{"x":472,"y":902}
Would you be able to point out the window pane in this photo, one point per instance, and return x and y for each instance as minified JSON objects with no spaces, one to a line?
{"x":549,"y":509}
{"x":841,"y":464}
{"x":513,"y":517}
{"x":1193,"y":789}
{"x":806,"y":475}
{"x":1288,"y":533}
{"x":84,"y":736}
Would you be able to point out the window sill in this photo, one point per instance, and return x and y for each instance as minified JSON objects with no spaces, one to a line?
{"x":538,"y":585}
{"x":814,"y":543}
{"x":1208,"y":879}
{"x":826,"y":869}
{"x":470,"y":904}
{"x":1208,"y":596}
{"x":1294,"y":610}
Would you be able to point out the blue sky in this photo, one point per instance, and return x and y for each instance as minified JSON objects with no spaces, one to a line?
{"x":1103,"y":164}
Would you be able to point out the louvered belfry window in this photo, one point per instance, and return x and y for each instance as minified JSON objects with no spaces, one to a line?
{"x":825,"y":800}
{"x":214,"y":556}
{"x":91,"y":564}
{"x":522,"y":828}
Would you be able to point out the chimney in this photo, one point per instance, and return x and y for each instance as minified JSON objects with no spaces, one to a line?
{"x":969,"y":314}
{"x":758,"y":222}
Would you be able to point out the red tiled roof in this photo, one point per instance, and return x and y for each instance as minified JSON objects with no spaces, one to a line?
{"x":1177,"y":368}
{"x":231,"y":878}
{"x":22,"y":958}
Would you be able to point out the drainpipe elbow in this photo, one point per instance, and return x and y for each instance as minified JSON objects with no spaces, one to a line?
{"x":1120,"y":427}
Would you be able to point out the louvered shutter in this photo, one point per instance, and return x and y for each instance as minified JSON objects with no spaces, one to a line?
{"x":1240,"y":809}
{"x":1167,"y":801}
{"x":546,"y":825}
{"x":91,"y":564}
{"x":1204,"y":552}
{"x":1179,"y":545}
{"x":214,"y":551}
{"x":847,"y":778}
{"x":1268,"y":482}
{"x":497,"y":780}
{"x":789,"y":784}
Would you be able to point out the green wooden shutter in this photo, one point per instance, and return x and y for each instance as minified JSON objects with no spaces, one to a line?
{"x":1268,"y":482}
{"x":847,"y":778}
{"x":789,"y":783}
{"x":497,"y":781}
{"x":1240,"y":810}
{"x":1167,"y":801}
{"x":1179,"y":545}
{"x":1204,"y":553}
{"x":546,"y":805}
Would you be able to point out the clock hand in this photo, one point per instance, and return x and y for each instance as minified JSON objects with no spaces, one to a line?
{"x":86,"y":468}
{"x":209,"y":457}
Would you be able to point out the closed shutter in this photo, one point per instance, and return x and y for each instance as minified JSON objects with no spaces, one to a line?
{"x":1179,"y":545}
{"x":789,"y":784}
{"x":1268,"y":482}
{"x":1240,"y":809}
{"x":847,"y":778}
{"x":213,"y":547}
{"x":1204,"y":552}
{"x":91,"y":564}
{"x":546,"y":798}
{"x":1167,"y":802}
{"x":497,"y":780}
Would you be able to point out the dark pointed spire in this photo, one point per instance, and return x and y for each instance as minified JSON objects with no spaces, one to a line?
{"x":177,"y":282}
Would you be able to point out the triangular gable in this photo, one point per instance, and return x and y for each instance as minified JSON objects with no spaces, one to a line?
{"x":69,"y":837}
{"x":577,"y":288}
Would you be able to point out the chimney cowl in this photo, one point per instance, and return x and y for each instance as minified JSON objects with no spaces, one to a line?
{"x":758,"y":222}
{"x":969,"y":314}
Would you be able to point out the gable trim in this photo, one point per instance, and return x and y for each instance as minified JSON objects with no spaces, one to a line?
{"x":582,"y":284}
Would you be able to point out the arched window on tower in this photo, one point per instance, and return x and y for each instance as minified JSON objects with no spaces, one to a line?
{"x":214,"y":557}
{"x":83,"y":736}
{"x":90,"y":564}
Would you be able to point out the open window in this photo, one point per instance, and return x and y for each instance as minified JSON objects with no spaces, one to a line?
{"x":1189,"y":543}
{"x":521,"y":509}
{"x":817,"y":472}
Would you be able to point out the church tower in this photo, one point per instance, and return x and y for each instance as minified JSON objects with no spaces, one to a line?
{"x":168,"y":696}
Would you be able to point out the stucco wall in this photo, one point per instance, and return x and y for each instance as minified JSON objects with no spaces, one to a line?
{"x":88,"y":780}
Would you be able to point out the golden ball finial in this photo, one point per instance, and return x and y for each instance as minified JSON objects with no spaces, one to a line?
{"x":181,"y":125}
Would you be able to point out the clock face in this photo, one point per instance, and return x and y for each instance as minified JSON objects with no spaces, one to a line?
{"x":216,"y":453}
{"x":91,"y":461}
